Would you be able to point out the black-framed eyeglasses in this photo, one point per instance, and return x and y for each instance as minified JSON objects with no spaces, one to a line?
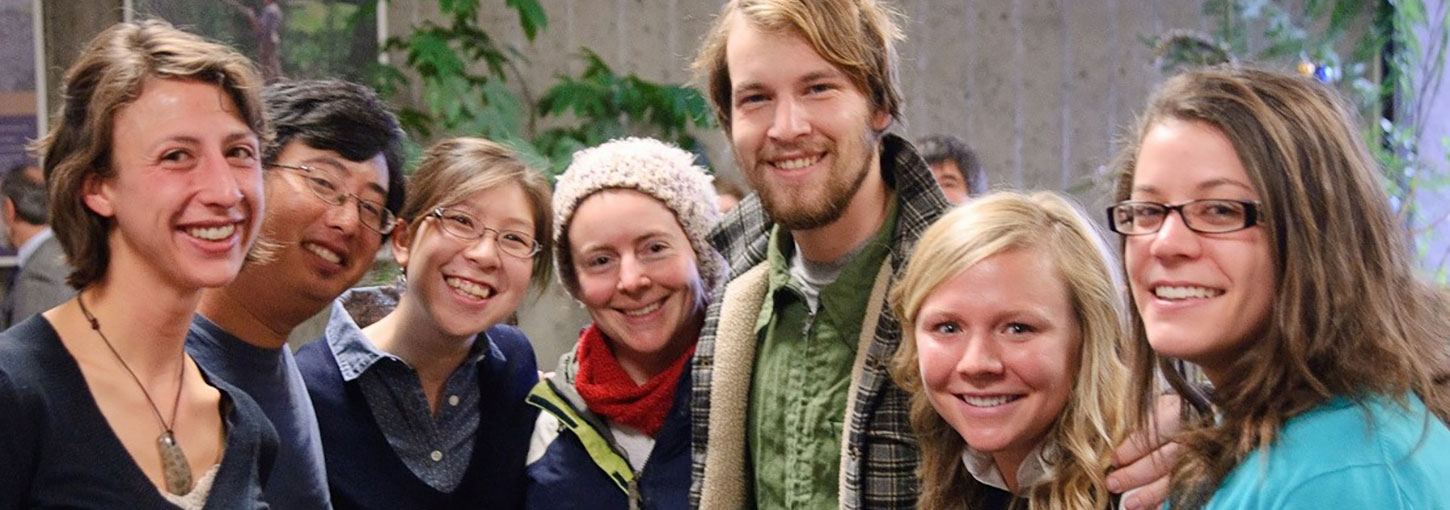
{"x":1212,"y":216}
{"x":328,"y":186}
{"x":464,"y":226}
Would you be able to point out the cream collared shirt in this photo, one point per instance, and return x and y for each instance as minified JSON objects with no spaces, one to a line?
{"x":1035,"y":468}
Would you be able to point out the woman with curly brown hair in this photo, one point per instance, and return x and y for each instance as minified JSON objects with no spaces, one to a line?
{"x":1260,"y":247}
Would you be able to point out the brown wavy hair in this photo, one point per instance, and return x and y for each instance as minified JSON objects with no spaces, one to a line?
{"x":1349,"y":317}
{"x":109,"y":75}
{"x":1094,"y":419}
{"x":857,"y":36}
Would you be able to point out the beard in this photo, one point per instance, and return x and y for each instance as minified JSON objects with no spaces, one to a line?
{"x":796,"y":209}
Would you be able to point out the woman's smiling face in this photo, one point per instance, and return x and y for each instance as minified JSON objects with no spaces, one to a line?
{"x":186,"y":191}
{"x":469,"y":285}
{"x":998,"y":348}
{"x":638,"y":275}
{"x":1201,"y":297}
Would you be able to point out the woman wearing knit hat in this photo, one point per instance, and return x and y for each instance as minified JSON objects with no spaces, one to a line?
{"x":631,"y":218}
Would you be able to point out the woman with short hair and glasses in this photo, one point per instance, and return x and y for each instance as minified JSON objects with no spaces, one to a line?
{"x":419,"y":389}
{"x":1260,"y":247}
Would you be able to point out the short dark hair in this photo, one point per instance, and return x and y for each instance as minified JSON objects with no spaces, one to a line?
{"x":938,"y":148}
{"x":339,"y":116}
{"x":28,"y":193}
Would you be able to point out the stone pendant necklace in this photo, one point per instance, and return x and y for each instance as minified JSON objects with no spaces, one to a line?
{"x":175,"y":469}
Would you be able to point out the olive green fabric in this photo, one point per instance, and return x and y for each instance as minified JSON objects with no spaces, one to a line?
{"x":802,"y":375}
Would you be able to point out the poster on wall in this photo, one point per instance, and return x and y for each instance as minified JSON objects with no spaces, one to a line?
{"x":18,"y":123}
{"x":295,"y":39}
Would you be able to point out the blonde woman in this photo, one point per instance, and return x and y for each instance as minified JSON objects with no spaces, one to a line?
{"x":1012,"y":320}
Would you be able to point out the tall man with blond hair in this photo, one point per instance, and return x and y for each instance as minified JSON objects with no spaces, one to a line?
{"x":793,"y":406}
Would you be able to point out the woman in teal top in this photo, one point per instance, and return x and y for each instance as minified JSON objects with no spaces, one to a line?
{"x":1260,"y":247}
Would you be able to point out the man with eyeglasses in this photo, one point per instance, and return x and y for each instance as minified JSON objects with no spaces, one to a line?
{"x":334,"y":177}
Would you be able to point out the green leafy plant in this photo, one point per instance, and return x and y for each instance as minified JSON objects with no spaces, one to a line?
{"x":1390,"y":73}
{"x":609,"y":106}
{"x":464,"y":72}
{"x":469,"y":81}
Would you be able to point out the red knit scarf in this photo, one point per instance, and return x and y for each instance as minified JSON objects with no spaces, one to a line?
{"x":609,"y":392}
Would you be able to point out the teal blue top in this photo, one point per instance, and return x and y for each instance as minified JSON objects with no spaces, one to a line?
{"x":1340,"y":456}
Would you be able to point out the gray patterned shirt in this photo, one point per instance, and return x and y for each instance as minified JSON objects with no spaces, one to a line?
{"x":437,"y":449}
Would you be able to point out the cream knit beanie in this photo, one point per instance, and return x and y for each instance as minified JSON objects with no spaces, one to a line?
{"x":652,"y":167}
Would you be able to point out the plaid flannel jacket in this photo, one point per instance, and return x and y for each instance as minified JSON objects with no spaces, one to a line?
{"x":879,"y":452}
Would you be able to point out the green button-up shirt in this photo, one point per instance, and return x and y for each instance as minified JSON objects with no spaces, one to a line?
{"x":803,"y":373}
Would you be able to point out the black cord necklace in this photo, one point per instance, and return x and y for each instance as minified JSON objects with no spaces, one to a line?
{"x":175,"y":469}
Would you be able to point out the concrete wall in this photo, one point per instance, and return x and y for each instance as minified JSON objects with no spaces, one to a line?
{"x":1040,"y":88}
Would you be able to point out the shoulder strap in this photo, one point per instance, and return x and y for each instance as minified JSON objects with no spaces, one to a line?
{"x":545,"y":398}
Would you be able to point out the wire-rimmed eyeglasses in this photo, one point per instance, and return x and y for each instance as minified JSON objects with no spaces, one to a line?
{"x":328,"y":186}
{"x":464,"y":226}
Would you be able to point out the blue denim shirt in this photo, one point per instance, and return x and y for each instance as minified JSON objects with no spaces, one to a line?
{"x":436,"y":448}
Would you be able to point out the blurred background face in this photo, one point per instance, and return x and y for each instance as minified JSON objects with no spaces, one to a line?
{"x":637,"y":273}
{"x":469,"y":285}
{"x":186,"y":195}
{"x":998,"y":346}
{"x":950,"y":180}
{"x":1202,"y":297}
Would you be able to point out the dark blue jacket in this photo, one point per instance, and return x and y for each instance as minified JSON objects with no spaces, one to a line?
{"x":565,"y":476}
{"x":364,"y":472}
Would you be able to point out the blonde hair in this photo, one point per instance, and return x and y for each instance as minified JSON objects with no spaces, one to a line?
{"x":1349,"y":316}
{"x":1095,"y":416}
{"x":857,"y":36}
{"x":453,"y":169}
{"x":109,"y":75}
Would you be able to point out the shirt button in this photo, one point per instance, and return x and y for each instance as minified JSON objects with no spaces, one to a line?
{"x":436,"y":455}
{"x":453,"y":400}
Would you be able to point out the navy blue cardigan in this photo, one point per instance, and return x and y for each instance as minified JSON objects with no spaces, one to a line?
{"x":58,"y":451}
{"x":364,"y":472}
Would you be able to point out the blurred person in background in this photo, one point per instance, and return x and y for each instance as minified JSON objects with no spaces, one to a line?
{"x":38,"y":281}
{"x":954,"y":165}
